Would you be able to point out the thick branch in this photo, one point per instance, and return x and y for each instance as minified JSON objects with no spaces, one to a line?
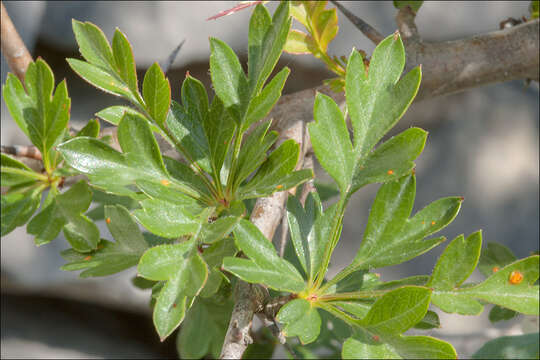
{"x":13,"y":48}
{"x":453,"y":66}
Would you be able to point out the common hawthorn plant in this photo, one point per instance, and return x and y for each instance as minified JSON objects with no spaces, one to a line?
{"x":194,"y":208}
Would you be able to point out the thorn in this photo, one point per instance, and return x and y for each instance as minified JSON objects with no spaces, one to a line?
{"x":172,"y":57}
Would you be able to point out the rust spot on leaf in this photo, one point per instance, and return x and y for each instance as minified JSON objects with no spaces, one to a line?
{"x":433,"y":223}
{"x":165,"y":182}
{"x":390,"y":172}
{"x":87,"y":258}
{"x":515,"y":278}
{"x":495,"y":269}
{"x":108,"y":220}
{"x":376,"y":338}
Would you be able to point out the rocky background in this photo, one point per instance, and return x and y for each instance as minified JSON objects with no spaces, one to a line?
{"x":482,"y":144}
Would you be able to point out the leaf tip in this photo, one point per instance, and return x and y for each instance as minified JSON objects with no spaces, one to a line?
{"x":396,"y":35}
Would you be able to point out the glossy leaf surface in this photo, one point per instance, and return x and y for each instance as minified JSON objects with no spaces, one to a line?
{"x":265,"y":265}
{"x":301,"y":319}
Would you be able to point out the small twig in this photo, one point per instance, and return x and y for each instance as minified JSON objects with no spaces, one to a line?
{"x":406,"y":25}
{"x":366,"y":29}
{"x":172,"y":57}
{"x":24,"y":151}
{"x":13,"y":48}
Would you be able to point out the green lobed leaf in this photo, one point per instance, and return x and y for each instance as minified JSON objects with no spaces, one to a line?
{"x":101,"y":78}
{"x":219,"y":129}
{"x":300,"y":319}
{"x":46,"y":119}
{"x":156,"y":92}
{"x":111,"y":258}
{"x":331,"y":142}
{"x":195,"y":341}
{"x":494,"y":257}
{"x":187,"y":129}
{"x":364,"y":346}
{"x":455,"y":302}
{"x":112,"y":170}
{"x":499,"y":313}
{"x":310,"y":231}
{"x":228,"y":78}
{"x":253,"y":151}
{"x":422,"y":347}
{"x":14,"y":172}
{"x":510,"y":347}
{"x":113,"y":115}
{"x":377,"y":101}
{"x":219,"y":229}
{"x":17,"y":208}
{"x":389,"y":216}
{"x":271,"y":47}
{"x":261,"y":105}
{"x":391,"y":160}
{"x":17,"y":101}
{"x":178,"y":294}
{"x":457,"y":262}
{"x":498,"y":289}
{"x":213,"y":257}
{"x":165,"y":218}
{"x":301,"y":221}
{"x":124,"y":61}
{"x":185,"y":177}
{"x":91,"y":129}
{"x":162,"y":262}
{"x":93,"y":44}
{"x":430,"y":321}
{"x":265,"y":265}
{"x":259,"y":24}
{"x":397,"y":311}
{"x":65,"y":212}
{"x":274,"y":172}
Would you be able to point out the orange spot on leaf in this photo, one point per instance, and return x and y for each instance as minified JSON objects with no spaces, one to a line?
{"x":279,"y":187}
{"x":433,"y":223}
{"x":390,"y":172}
{"x":108,"y":220}
{"x":174,"y":305}
{"x":165,"y":182}
{"x":87,"y":258}
{"x":375,"y":338}
{"x":515,"y":278}
{"x":495,"y":269}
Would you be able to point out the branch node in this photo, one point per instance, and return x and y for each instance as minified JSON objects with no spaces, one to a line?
{"x":406,"y":25}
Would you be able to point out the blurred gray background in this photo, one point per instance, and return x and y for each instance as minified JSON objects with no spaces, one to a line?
{"x":482,"y":144}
